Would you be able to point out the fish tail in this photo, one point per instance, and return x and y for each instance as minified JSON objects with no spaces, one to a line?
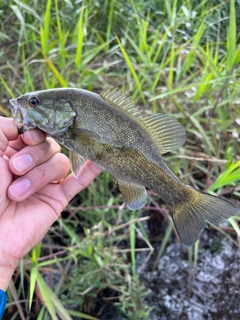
{"x":192,"y":215}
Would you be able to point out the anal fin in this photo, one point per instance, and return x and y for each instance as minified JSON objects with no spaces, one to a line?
{"x":76,"y":162}
{"x":135,"y":196}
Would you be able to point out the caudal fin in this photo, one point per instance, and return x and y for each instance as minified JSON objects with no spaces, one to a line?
{"x":192,"y":216}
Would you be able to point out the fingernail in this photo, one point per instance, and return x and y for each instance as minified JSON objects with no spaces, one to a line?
{"x":23,"y":162}
{"x":19,"y":187}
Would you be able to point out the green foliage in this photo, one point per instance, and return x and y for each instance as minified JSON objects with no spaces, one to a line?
{"x":178,"y":57}
{"x":231,"y":176}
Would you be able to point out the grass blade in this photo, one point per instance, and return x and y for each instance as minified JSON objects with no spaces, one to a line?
{"x":61,"y":38}
{"x":133,"y":243}
{"x":28,"y":9}
{"x":131,"y":68}
{"x":81,"y":26}
{"x":53,"y":304}
{"x":33,"y":280}
{"x":81,"y":315}
{"x":203,"y":132}
{"x":44,"y":31}
{"x":6,"y":86}
{"x":46,"y":296}
{"x":235,"y":226}
{"x":110,"y":22}
{"x":229,"y":177}
{"x":231,"y":38}
{"x":55,"y":71}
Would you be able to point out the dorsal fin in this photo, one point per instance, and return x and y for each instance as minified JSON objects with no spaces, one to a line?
{"x":117,"y":99}
{"x":165,"y":130}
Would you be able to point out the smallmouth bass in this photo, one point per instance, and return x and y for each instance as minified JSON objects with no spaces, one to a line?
{"x":109,"y":130}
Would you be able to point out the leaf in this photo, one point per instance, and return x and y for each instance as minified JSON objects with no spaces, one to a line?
{"x":81,"y":26}
{"x":133,"y":243}
{"x":230,"y":176}
{"x":131,"y":68}
{"x":44,"y":31}
{"x":231,"y":38}
{"x":53,"y":304}
{"x":46,"y":296}
{"x":33,"y":279}
{"x":55,"y":71}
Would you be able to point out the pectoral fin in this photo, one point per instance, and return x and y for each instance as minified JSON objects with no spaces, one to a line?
{"x":76,"y":161}
{"x":135,"y":196}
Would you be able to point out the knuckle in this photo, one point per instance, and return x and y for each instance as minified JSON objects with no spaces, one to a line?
{"x":42,"y":172}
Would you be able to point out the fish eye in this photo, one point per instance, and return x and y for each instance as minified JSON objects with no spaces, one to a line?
{"x":33,"y":101}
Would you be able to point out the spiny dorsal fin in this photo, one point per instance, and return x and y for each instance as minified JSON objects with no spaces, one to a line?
{"x":165,"y":130}
{"x":117,"y":99}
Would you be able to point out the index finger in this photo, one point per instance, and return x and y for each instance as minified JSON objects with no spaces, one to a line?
{"x":31,"y":138}
{"x":8,"y":132}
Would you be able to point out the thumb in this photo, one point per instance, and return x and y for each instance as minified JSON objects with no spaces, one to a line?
{"x":71,"y":186}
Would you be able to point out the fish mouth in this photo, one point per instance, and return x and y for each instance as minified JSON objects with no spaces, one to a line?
{"x":19,"y":115}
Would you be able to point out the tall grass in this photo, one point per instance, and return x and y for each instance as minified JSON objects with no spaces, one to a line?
{"x":179,"y":57}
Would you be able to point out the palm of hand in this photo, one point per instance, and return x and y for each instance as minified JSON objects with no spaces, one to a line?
{"x":25,"y":219}
{"x":24,"y":224}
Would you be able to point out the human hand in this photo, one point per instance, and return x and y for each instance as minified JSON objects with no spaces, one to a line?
{"x":29,"y":201}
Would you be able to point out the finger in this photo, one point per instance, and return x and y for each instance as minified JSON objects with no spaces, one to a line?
{"x":6,"y":179}
{"x":14,"y":147}
{"x":32,"y":156}
{"x":53,"y":170}
{"x":33,"y":137}
{"x":71,"y":186}
{"x":8,"y":132}
{"x":57,"y":196}
{"x":10,"y":152}
{"x":17,"y":144}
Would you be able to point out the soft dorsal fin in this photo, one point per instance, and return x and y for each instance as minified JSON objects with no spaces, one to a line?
{"x":165,"y":130}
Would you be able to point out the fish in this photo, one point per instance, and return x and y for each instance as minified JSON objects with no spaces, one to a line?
{"x":110,"y":130}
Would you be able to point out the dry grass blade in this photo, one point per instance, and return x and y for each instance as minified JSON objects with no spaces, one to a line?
{"x":14,"y":293}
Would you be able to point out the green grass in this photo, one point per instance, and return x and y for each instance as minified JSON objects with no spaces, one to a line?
{"x":181,"y":58}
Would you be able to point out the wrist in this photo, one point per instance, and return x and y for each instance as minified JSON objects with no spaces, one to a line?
{"x":8,"y":265}
{"x":5,"y":277}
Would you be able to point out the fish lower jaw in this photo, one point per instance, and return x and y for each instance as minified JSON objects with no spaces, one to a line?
{"x":19,"y":115}
{"x":22,"y":129}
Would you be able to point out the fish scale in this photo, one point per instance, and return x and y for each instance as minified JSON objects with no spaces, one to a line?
{"x":109,"y":130}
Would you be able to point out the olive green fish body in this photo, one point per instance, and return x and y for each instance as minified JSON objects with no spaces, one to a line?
{"x":111,"y":125}
{"x":190,"y":208}
{"x":109,"y":130}
{"x":124,"y":163}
